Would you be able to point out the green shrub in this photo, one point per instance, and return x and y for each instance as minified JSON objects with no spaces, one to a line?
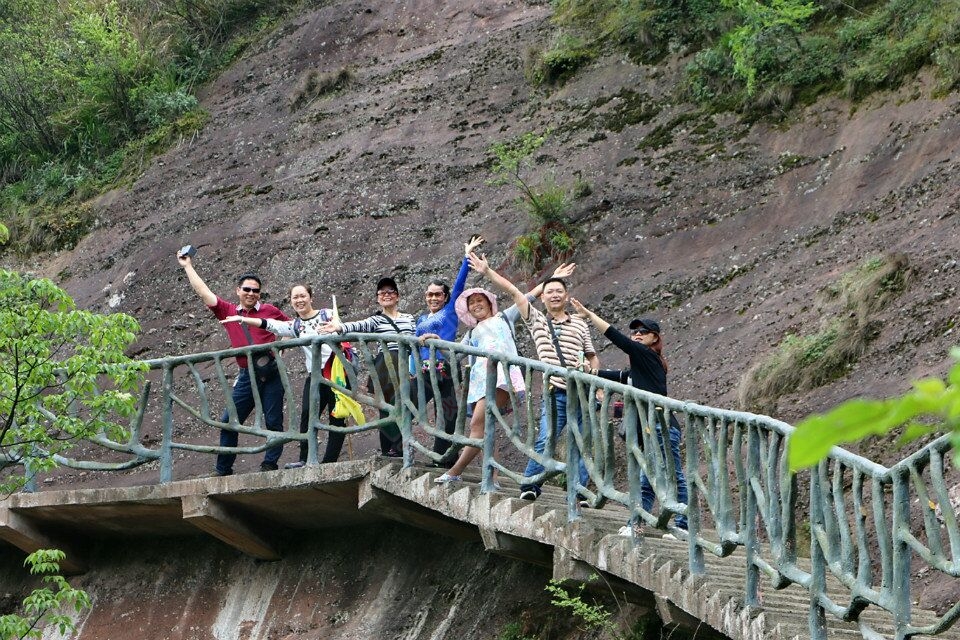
{"x":562,"y":60}
{"x":547,"y":204}
{"x":526,"y":250}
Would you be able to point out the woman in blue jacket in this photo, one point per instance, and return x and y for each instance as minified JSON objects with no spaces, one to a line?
{"x":441,"y":321}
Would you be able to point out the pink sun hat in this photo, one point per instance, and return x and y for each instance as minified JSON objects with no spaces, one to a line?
{"x":461,"y":305}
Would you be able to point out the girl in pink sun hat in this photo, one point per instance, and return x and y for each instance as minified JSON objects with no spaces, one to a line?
{"x":491,"y":332}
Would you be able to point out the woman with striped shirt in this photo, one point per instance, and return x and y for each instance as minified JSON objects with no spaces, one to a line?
{"x":388,"y":320}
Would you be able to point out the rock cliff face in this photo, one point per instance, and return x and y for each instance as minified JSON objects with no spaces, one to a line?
{"x":728,"y":232}
{"x":349,"y":584}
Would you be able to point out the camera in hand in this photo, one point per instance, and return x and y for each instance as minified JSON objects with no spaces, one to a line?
{"x":188,"y":251}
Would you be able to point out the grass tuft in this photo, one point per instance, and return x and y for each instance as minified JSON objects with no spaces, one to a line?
{"x":804,"y":362}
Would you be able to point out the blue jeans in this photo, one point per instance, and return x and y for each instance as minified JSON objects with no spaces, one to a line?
{"x":647,"y":496}
{"x":559,"y":397}
{"x":271,"y":395}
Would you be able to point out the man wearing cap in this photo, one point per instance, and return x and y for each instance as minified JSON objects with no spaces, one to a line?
{"x":388,"y":320}
{"x":270,"y":388}
{"x":562,"y":340}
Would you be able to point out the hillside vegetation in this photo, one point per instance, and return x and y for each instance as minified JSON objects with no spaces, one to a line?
{"x":90,"y":91}
{"x":764,"y":56}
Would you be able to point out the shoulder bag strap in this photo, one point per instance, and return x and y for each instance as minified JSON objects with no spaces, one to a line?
{"x":556,"y":342}
{"x":392,"y":323}
{"x":246,"y":331}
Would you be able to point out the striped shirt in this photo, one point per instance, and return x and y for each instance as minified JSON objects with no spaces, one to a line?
{"x":573,"y":334}
{"x":379,"y":323}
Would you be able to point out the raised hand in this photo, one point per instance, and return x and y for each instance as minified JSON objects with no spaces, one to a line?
{"x":478,"y":263}
{"x":230,"y":319}
{"x":565,"y":270}
{"x":475,"y":241}
{"x":581,"y":310}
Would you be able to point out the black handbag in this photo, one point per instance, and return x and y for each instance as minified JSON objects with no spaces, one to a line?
{"x":265,"y":367}
{"x":264,"y":364}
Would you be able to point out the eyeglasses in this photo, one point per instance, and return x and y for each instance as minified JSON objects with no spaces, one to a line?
{"x":435,"y":294}
{"x":641,"y":332}
{"x":387,"y":292}
{"x":250,"y":289}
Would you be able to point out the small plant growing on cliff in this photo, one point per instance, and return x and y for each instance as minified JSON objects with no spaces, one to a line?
{"x":45,"y":608}
{"x":314,"y":84}
{"x":593,"y":616}
{"x":556,"y":65}
{"x":546,"y":203}
{"x":804,"y":362}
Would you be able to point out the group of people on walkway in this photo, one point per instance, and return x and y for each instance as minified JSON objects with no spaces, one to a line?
{"x":561,"y":339}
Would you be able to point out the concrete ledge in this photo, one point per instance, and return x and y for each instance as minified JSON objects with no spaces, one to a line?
{"x":516,"y":547}
{"x":214,"y":518}
{"x":26,"y":536}
{"x":373,"y":500}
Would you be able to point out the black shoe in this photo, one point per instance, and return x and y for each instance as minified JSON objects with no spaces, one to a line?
{"x":393,"y":453}
{"x":529,"y":494}
{"x":221,"y":474}
{"x":268,"y":466}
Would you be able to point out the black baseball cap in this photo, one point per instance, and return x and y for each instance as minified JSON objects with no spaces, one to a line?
{"x":387,"y":282}
{"x":646,"y":323}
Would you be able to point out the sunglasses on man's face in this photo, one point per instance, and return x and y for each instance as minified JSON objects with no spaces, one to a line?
{"x":641,"y":332}
{"x":250,"y":289}
{"x":387,"y":292}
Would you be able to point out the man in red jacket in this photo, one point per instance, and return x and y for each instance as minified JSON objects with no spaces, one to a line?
{"x":270,"y":387}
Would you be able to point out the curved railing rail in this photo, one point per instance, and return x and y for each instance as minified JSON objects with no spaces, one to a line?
{"x":740,"y":492}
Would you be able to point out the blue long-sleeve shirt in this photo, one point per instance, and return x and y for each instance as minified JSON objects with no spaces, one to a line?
{"x":443,"y":322}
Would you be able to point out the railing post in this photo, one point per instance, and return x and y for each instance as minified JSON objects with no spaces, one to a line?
{"x":901,"y":554}
{"x":489,"y":427}
{"x":166,"y":448}
{"x":816,"y":619}
{"x":313,"y":415}
{"x":751,"y":545}
{"x":401,"y":400}
{"x":573,"y":451}
{"x":631,"y":423}
{"x":692,"y":463}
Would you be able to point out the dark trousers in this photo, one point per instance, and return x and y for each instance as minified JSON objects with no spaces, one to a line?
{"x":447,"y":407}
{"x":271,"y":396}
{"x":326,"y":401}
{"x":647,"y":495}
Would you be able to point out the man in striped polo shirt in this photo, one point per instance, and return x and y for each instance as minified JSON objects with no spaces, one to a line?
{"x":554,"y":328}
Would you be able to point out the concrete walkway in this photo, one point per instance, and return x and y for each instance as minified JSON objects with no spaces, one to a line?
{"x":649,"y":570}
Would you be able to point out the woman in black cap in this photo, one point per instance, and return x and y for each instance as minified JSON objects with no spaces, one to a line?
{"x":647,"y":371}
{"x":388,"y":320}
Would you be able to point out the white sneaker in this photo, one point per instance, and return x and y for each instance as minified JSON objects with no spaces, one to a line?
{"x":294,"y":465}
{"x":630,"y":531}
{"x":669,"y":536}
{"x":447,"y":479}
